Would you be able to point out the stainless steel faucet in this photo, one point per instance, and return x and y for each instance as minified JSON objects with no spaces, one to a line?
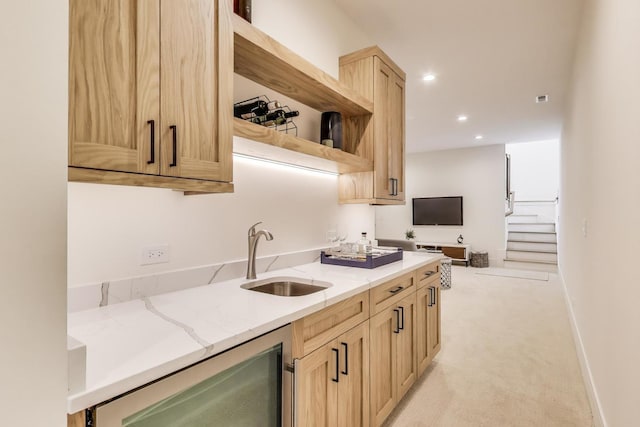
{"x":253,"y":236}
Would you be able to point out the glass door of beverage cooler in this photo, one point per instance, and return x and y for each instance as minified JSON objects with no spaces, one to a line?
{"x":246,"y":386}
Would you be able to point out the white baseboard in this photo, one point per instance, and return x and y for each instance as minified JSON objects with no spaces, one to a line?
{"x":592,"y":393}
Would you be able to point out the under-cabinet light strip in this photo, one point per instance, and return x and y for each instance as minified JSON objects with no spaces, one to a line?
{"x":283,"y":164}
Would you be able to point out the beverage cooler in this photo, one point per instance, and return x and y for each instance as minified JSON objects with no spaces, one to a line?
{"x":248,"y":385}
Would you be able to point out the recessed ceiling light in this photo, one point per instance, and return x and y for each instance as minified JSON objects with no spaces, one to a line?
{"x":479,"y":137}
{"x":462,"y":118}
{"x":429,"y":77}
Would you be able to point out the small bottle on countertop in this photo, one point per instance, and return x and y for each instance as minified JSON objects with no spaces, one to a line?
{"x":364,"y":245}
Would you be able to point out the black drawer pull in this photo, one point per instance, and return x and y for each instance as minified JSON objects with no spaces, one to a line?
{"x":402,"y":317}
{"x":337,"y":353}
{"x":346,"y":358}
{"x":174,"y":161}
{"x":152,"y":137}
{"x":429,"y":273}
{"x":396,"y":290}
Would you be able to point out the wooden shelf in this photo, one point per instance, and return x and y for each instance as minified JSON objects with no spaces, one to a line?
{"x":262,"y":59}
{"x":287,"y":148}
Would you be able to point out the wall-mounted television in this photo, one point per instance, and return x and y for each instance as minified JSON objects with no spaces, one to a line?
{"x":437,"y":211}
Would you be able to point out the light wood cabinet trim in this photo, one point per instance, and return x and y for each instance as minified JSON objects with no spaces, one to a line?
{"x":262,"y":59}
{"x":382,"y":297}
{"x":344,"y":162}
{"x":383,"y":370}
{"x":317,"y":394}
{"x":353,"y":388}
{"x":140,"y":180}
{"x":423,"y":355}
{"x":311,"y":332}
{"x":371,"y":51}
{"x":192,"y":35}
{"x":406,"y":350}
{"x":106,"y":80}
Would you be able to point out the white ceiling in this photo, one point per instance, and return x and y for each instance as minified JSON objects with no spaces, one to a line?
{"x":491,"y":58}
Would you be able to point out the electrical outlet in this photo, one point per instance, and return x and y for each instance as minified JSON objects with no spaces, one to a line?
{"x":155,"y":255}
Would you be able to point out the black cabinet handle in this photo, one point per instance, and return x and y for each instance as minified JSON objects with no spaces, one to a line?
{"x":401,"y":317}
{"x":429,"y":273}
{"x":435,"y":301}
{"x":396,"y":290}
{"x":429,"y":303}
{"x":397,"y":331}
{"x":394,"y":186}
{"x":152,"y":136}
{"x":346,"y":358}
{"x":337,"y":353}
{"x":174,"y":162}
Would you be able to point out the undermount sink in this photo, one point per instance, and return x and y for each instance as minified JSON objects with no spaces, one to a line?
{"x":286,"y":286}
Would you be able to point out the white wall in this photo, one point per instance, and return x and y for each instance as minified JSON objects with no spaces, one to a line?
{"x":599,"y":204}
{"x":535,"y":170}
{"x":475,"y":173}
{"x":109,"y":225}
{"x":33,"y":115}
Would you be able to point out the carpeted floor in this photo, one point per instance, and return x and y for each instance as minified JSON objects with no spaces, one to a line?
{"x":507,"y":359}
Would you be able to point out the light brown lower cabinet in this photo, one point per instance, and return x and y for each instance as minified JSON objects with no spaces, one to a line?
{"x":332,"y":386}
{"x":393,"y":356}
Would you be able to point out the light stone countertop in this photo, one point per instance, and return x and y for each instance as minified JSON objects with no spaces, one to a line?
{"x":133,"y":343}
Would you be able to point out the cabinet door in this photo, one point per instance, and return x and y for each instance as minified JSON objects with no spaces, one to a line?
{"x":423,"y":327}
{"x":196,"y":80}
{"x":389,"y":132}
{"x":406,"y":350}
{"x":383,"y":82}
{"x":114,"y":76}
{"x":434,"y":321}
{"x":395,"y":153}
{"x":384,"y":327}
{"x":353,"y":388}
{"x":317,"y":376}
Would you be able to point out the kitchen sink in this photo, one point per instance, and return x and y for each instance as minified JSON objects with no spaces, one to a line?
{"x":286,"y":286}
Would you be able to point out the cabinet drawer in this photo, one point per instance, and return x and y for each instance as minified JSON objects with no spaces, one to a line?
{"x":456,"y":253}
{"x":315,"y":330}
{"x":428,"y":274}
{"x":389,"y":293}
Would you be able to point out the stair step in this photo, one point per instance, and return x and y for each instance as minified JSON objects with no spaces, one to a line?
{"x":550,"y":257}
{"x":537,"y":266}
{"x":533,"y":261}
{"x":520,"y":219}
{"x":518,"y":245}
{"x":532,"y":236}
{"x":532,"y":227}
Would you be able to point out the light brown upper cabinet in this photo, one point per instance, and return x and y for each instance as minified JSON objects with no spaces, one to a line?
{"x":150,"y":93}
{"x":381,"y":138}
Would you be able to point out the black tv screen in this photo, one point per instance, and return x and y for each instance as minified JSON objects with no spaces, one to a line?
{"x":437,"y":211}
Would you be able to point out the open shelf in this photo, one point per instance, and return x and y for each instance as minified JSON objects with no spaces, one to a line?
{"x":262,"y":59}
{"x":287,"y":148}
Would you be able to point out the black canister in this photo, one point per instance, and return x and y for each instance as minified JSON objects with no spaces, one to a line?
{"x":331,"y":129}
